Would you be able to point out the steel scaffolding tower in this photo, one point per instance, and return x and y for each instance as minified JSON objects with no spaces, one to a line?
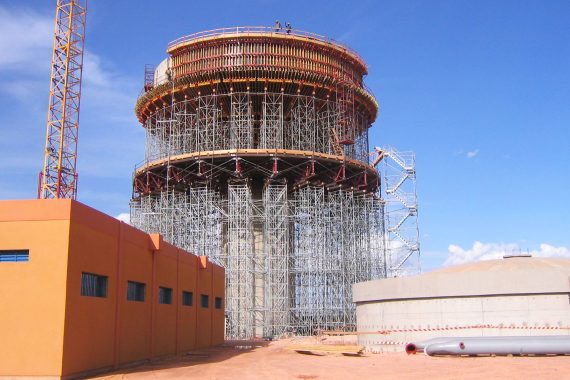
{"x":276,"y":250}
{"x":256,"y":157}
{"x":242,"y":299}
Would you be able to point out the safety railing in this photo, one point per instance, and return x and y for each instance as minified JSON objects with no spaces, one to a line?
{"x":261,"y":30}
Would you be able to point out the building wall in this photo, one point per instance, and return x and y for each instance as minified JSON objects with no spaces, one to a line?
{"x":81,"y":334}
{"x":134,"y":320}
{"x":32,"y":294}
{"x":90,"y":321}
{"x":204,"y":314}
{"x":187,"y":315}
{"x":218,"y":318}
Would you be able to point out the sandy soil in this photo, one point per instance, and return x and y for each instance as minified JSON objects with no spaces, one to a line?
{"x":272,"y":360}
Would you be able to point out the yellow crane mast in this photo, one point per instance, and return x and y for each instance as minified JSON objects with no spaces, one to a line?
{"x":58,"y":178}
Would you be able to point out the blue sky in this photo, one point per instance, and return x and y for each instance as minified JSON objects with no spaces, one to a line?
{"x":480,"y":90}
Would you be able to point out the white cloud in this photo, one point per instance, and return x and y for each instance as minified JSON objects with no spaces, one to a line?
{"x":489,"y":251}
{"x":111,"y":141}
{"x":124,"y":217}
{"x":26,"y":39}
{"x":93,"y":72}
{"x":108,"y":97}
{"x":472,"y":153}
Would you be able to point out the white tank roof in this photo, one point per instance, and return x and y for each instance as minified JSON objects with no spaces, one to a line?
{"x":160,"y":72}
{"x":513,"y":263}
{"x":509,"y":276}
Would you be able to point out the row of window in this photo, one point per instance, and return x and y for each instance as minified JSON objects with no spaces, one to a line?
{"x":94,"y":285}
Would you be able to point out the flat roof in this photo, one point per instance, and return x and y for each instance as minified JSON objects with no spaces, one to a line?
{"x":510,"y":276}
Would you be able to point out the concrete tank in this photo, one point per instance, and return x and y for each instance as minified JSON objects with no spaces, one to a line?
{"x":516,"y":296}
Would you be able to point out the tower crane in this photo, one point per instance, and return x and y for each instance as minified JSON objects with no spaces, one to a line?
{"x":58,"y":179}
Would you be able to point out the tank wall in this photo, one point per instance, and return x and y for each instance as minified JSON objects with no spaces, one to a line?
{"x":416,"y":320}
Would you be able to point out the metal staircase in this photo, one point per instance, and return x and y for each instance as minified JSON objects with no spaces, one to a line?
{"x":401,"y":210}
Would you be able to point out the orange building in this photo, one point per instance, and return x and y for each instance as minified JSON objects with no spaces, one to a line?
{"x":82,"y":292}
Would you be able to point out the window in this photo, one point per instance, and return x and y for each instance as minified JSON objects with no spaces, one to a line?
{"x":218,"y":302}
{"x":135,"y":291}
{"x":14,"y":255}
{"x":93,"y":285}
{"x":187,"y":298}
{"x":204,"y":300}
{"x":165,"y":295}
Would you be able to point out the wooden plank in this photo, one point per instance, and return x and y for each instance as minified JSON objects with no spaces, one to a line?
{"x":326,"y":348}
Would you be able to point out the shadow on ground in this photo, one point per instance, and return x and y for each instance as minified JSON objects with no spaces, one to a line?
{"x":225,"y":351}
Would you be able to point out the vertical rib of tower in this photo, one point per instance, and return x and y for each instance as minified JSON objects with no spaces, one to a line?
{"x":256,"y":155}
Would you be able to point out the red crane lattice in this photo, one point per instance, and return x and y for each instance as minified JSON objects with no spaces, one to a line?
{"x":59,"y":177}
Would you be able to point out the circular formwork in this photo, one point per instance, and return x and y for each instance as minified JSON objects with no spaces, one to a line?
{"x":261,"y":103}
{"x":258,"y":58}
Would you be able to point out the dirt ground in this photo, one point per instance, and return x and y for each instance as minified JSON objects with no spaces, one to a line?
{"x":272,"y":360}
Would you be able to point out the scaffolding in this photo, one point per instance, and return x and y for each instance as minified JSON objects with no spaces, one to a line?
{"x":271,"y":130}
{"x":241,"y":122}
{"x":257,"y":156}
{"x":191,"y":220}
{"x":290,"y":263}
{"x":242,"y":300}
{"x":294,"y":122}
{"x":276,"y":234}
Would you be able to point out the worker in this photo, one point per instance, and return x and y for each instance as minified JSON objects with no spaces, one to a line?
{"x":277,"y":26}
{"x":288,"y":27}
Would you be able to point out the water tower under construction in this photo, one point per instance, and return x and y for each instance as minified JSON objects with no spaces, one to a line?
{"x":257,"y":156}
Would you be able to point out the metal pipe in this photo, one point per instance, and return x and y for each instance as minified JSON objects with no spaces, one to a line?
{"x":507,"y":345}
{"x":415,"y":347}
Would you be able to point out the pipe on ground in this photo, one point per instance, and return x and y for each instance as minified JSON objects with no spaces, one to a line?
{"x":413,"y":348}
{"x":504,"y":345}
